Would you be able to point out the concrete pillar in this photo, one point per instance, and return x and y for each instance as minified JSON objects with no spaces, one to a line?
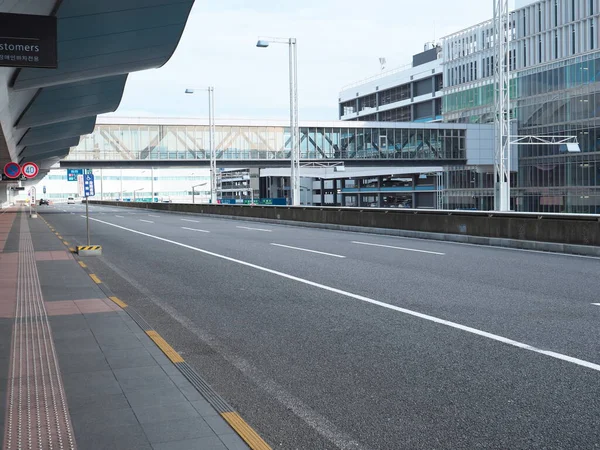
{"x":322,"y":192}
{"x":335,"y":194}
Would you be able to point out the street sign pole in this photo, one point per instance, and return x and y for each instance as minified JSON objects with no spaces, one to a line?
{"x":88,"y":190}
{"x":87,"y":219}
{"x":32,"y":201}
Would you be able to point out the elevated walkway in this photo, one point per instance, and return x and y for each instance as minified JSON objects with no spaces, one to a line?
{"x":78,"y":372}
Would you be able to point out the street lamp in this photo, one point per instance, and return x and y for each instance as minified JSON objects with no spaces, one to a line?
{"x":294,"y":126}
{"x":213,"y":153}
{"x":134,"y":191}
{"x":194,"y":191}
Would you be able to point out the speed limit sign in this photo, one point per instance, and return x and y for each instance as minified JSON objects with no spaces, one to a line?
{"x":30,"y":170}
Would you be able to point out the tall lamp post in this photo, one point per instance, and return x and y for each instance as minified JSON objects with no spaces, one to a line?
{"x":134,"y":191}
{"x":294,"y":125}
{"x":211,"y":127}
{"x":194,"y":192}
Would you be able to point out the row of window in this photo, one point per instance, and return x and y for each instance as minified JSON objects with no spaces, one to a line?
{"x":393,"y":95}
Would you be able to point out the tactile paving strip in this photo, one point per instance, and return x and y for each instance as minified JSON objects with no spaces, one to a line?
{"x":37,"y":412}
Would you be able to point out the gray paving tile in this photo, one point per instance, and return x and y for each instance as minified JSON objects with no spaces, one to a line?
{"x":160,"y":397}
{"x":97,"y":402}
{"x":158,"y":355}
{"x":130,"y":437}
{"x":204,"y":408}
{"x":128,"y":358}
{"x":190,"y":392}
{"x":170,"y":369}
{"x":92,"y":362}
{"x":74,"y":334}
{"x":132,"y":379}
{"x":233,"y":442}
{"x":68,"y":323}
{"x":83,"y":345}
{"x":123,"y":344}
{"x":158,"y":413}
{"x":112,"y":328}
{"x":101,"y":420}
{"x":91,"y":383}
{"x":204,"y":443}
{"x":218,"y":424}
{"x":177,"y":430}
{"x":179,"y":380}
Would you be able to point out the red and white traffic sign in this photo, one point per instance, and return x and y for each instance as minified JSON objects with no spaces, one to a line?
{"x":12,"y":170}
{"x":30,"y":170}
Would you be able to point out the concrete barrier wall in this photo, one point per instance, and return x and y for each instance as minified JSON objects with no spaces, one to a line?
{"x":569,"y":229}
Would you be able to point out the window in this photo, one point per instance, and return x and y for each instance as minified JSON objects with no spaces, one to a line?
{"x":524,"y":54}
{"x":573,"y":10}
{"x":540,"y":18}
{"x":555,"y":13}
{"x":592,"y":35}
{"x":573,"y":39}
{"x":591,"y":7}
{"x":556,"y":44}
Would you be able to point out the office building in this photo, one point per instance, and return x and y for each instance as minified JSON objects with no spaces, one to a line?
{"x":555,"y":91}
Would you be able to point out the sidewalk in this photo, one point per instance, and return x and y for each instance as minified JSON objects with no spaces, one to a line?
{"x":76,"y":371}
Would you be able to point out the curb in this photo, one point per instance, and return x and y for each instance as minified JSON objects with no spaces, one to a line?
{"x":235,"y":421}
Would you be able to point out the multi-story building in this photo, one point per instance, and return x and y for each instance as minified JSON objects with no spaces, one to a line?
{"x":406,"y":94}
{"x":555,"y":91}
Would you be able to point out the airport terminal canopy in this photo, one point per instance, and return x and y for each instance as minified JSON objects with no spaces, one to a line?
{"x":44,"y":112}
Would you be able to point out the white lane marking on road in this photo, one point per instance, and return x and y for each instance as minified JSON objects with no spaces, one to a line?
{"x":120,"y":217}
{"x":152,"y":215}
{"x":255,"y":229}
{"x":596,"y":304}
{"x":195,"y":229}
{"x":147,"y":221}
{"x":448,"y":323}
{"x":64,"y":210}
{"x":307,"y":250}
{"x":399,"y":248}
{"x":189,"y":220}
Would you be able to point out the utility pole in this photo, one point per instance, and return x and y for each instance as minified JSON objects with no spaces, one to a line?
{"x":502,"y":155}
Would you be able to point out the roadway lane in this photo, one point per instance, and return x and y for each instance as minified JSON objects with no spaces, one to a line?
{"x":311,"y":368}
{"x":533,"y":292}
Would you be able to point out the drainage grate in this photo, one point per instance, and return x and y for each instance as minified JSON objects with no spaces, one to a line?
{"x":37,"y":416}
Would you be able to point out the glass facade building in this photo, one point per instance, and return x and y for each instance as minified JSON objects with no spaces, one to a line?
{"x":555,"y":91}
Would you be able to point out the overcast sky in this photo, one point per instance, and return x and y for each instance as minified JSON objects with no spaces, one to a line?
{"x":339,"y":42}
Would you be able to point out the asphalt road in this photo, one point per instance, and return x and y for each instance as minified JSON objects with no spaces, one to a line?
{"x":336,"y":340}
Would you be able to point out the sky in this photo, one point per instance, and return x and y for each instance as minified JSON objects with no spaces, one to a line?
{"x":339,"y":42}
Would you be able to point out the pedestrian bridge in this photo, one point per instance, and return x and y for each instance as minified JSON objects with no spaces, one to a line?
{"x":176,"y":141}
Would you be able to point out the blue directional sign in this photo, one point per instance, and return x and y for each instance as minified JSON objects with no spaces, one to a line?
{"x":72,"y":174}
{"x":88,"y":185}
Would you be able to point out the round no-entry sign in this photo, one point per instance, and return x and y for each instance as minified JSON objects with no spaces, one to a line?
{"x":12,"y":170}
{"x":30,"y":170}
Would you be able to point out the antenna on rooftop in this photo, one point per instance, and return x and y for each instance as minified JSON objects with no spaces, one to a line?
{"x":383,"y":62}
